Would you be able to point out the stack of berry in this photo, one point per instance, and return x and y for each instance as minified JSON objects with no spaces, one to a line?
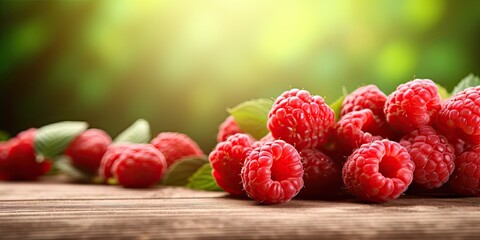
{"x":379,"y":146}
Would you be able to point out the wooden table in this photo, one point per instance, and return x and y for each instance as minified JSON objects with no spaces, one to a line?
{"x":52,"y":210}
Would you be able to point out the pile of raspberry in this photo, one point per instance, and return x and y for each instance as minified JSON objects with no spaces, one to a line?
{"x":379,"y":146}
{"x":93,"y":153}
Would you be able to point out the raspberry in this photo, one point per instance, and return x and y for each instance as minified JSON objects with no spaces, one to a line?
{"x":379,"y":171}
{"x":322,"y":176}
{"x":111,"y":155}
{"x":466,"y":177}
{"x":273,"y":173}
{"x":139,"y":166}
{"x":460,"y":116}
{"x":87,"y":149}
{"x":355,"y":129}
{"x":227,"y":128}
{"x":227,"y":160}
{"x":366,"y":97}
{"x":412,"y":105}
{"x":18,"y":160}
{"x":175,"y":146}
{"x":300,"y":119}
{"x":432,"y":155}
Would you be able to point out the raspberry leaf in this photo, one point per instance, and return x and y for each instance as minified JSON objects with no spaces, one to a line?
{"x":202,"y":179}
{"x":179,"y":173}
{"x":444,"y":94}
{"x":138,"y":132}
{"x":53,"y":139}
{"x":62,"y":164}
{"x":251,"y":116}
{"x":469,"y":81}
{"x":337,"y":106}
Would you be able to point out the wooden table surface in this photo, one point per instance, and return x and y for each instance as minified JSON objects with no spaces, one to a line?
{"x":52,"y":210}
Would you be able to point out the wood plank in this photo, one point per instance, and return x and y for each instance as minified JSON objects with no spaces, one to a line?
{"x":68,"y":211}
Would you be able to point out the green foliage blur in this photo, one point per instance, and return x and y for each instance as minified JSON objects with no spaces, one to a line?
{"x":181,"y":64}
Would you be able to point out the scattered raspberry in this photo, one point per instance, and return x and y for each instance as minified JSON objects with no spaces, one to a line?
{"x":355,"y":129}
{"x":18,"y":161}
{"x":412,"y":105}
{"x":227,"y":160}
{"x":432,"y":155}
{"x":139,"y":166}
{"x":366,"y":97}
{"x":300,"y":119}
{"x":227,"y":128}
{"x":466,"y":177}
{"x":87,"y":149}
{"x":322,"y":176}
{"x":273,"y":173}
{"x":460,"y":116}
{"x":379,"y":171}
{"x":111,"y":155}
{"x":175,"y":146}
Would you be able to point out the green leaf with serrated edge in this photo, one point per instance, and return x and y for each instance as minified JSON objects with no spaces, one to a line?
{"x":4,"y":136}
{"x":337,"y":107}
{"x":63,"y":164}
{"x":202,"y":179}
{"x":138,"y":132}
{"x":251,"y":116}
{"x":442,"y":91}
{"x":52,"y":140}
{"x":469,"y":81}
{"x":179,"y":173}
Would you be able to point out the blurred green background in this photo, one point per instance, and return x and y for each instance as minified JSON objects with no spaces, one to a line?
{"x":180,"y":64}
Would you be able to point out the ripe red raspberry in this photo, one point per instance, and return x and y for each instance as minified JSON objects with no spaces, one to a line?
{"x":355,"y":129}
{"x":300,"y":119}
{"x":322,"y":176}
{"x":412,"y":105}
{"x":227,"y":128}
{"x":460,"y":116}
{"x":432,"y":154}
{"x":466,"y":177}
{"x":111,"y":155}
{"x":379,"y":171}
{"x":139,"y":166}
{"x":366,"y":97}
{"x":87,"y":149}
{"x":18,"y":160}
{"x":273,"y":173}
{"x":175,"y":146}
{"x":227,"y":160}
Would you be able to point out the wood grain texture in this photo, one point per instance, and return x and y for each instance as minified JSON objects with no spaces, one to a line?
{"x":71,"y":211}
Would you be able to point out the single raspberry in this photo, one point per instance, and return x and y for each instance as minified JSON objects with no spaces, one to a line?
{"x":87,"y":149}
{"x":111,"y":155}
{"x":175,"y":146}
{"x":379,"y":171}
{"x":412,"y":105}
{"x":300,"y":119}
{"x":466,"y":177}
{"x":322,"y":176}
{"x":18,"y":160}
{"x":460,"y":116}
{"x":227,"y":128}
{"x":273,"y":173}
{"x":227,"y":160}
{"x":432,"y":154}
{"x":366,"y":97}
{"x":355,"y":129}
{"x":139,"y":166}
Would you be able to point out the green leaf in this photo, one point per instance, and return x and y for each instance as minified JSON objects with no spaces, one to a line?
{"x":251,"y":116}
{"x":202,"y":179}
{"x":4,"y":136}
{"x":64,"y":166}
{"x":53,"y":139}
{"x":138,"y":132}
{"x":337,"y":106}
{"x":469,"y":81}
{"x":442,"y":91}
{"x":179,"y":173}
